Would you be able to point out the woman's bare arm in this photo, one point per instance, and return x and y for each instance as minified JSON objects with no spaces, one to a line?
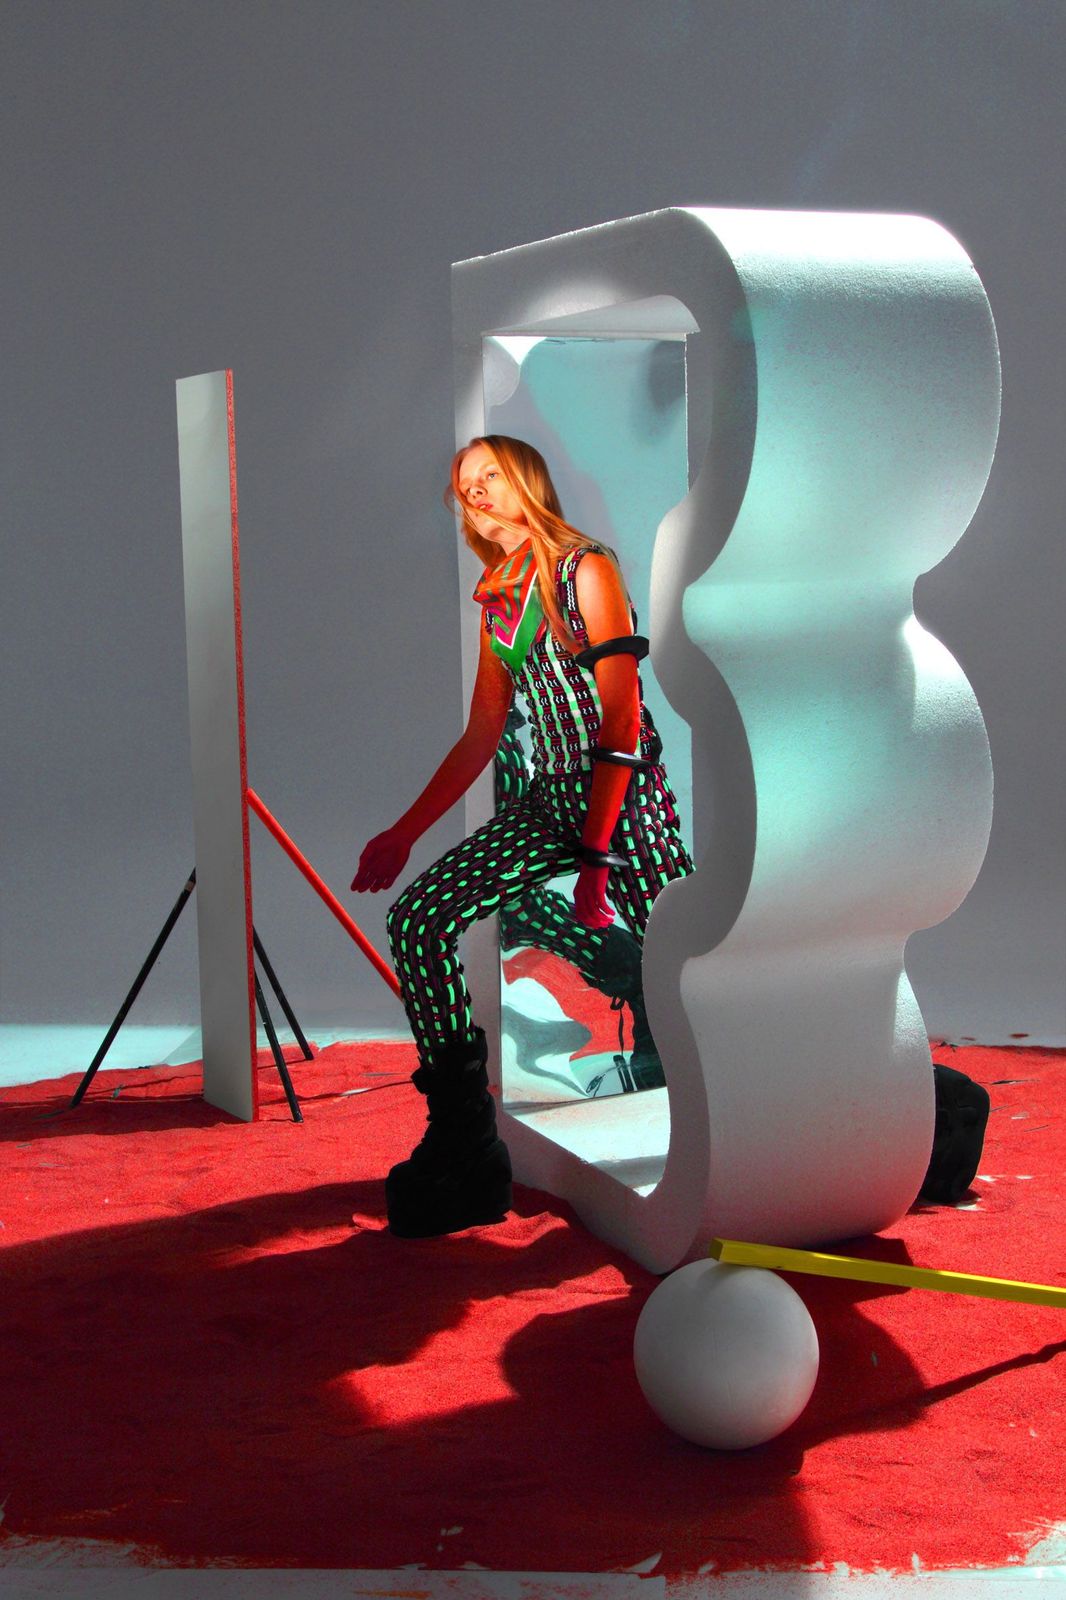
{"x":475,"y":748}
{"x":384,"y":856}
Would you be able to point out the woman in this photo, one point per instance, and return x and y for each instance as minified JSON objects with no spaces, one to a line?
{"x":558,"y":625}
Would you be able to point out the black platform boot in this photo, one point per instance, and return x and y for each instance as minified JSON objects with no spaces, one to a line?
{"x":460,"y":1173}
{"x":618,"y":974}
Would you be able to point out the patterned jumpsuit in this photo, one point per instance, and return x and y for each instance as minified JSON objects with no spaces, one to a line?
{"x":531,"y":838}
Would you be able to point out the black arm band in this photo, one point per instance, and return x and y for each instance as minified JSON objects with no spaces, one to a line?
{"x":597,"y":858}
{"x":640,"y":763}
{"x":618,"y":758}
{"x":629,"y":644}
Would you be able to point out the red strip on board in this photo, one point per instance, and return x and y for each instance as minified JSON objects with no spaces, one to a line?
{"x":238,"y":648}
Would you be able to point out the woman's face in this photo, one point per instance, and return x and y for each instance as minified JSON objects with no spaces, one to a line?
{"x":486,"y":491}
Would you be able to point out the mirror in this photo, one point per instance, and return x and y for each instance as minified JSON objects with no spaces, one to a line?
{"x":609,"y":417}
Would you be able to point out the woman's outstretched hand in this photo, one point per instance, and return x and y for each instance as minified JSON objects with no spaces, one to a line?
{"x":590,"y":898}
{"x":382,"y":860}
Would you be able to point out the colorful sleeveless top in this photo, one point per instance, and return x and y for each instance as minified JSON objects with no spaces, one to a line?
{"x":565,"y":711}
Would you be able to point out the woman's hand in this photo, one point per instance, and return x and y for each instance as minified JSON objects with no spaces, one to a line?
{"x":590,"y":898}
{"x":382,"y":860}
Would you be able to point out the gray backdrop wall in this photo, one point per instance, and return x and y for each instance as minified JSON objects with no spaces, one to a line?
{"x":280,"y":188}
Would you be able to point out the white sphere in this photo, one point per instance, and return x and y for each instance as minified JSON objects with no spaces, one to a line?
{"x":726,"y":1356}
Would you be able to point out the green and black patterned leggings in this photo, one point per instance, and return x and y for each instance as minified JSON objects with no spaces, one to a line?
{"x":502,"y":867}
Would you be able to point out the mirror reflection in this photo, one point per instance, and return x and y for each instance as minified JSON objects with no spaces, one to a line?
{"x":609,"y":415}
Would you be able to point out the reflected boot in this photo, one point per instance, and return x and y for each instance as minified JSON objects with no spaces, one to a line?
{"x":460,"y":1173}
{"x":617,"y":972}
{"x":645,"y":1064}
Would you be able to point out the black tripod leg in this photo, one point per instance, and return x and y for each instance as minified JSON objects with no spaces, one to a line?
{"x":275,"y":1050}
{"x":138,"y":984}
{"x":272,"y":979}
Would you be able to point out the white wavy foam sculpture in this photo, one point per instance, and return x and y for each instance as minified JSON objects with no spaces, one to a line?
{"x":843,"y":400}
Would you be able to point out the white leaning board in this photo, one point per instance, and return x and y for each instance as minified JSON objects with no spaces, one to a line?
{"x":216,"y":723}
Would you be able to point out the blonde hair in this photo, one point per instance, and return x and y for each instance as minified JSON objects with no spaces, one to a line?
{"x":552,"y":536}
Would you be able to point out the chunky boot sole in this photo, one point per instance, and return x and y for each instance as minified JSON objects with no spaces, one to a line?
{"x":423,"y":1205}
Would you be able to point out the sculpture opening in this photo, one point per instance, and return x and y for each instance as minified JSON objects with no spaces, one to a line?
{"x":610,"y":416}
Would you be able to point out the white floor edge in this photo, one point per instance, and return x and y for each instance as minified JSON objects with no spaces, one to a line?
{"x":87,"y":1570}
{"x":31,"y":1053}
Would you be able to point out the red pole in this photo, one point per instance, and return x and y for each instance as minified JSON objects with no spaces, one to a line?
{"x":322,"y":889}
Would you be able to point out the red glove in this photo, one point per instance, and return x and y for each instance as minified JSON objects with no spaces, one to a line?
{"x":590,"y":898}
{"x":382,"y":860}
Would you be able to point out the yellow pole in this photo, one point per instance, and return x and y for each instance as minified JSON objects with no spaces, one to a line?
{"x":735,"y":1253}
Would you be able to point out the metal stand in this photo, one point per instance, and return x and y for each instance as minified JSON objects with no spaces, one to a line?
{"x":268,"y":1023}
{"x":275,"y":1050}
{"x":284,"y":1004}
